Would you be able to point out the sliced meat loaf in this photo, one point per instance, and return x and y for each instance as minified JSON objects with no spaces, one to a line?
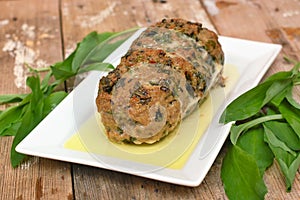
{"x":163,"y":87}
{"x":190,"y":41}
{"x":167,"y":70}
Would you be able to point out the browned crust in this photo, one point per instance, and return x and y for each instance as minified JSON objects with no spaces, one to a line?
{"x":202,"y":35}
{"x":138,"y":111}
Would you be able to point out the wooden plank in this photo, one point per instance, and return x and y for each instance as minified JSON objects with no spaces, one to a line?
{"x":265,"y":21}
{"x":274,"y":21}
{"x":29,"y":33}
{"x":80,"y":18}
{"x":94,"y":183}
{"x":36,"y":178}
{"x":32,"y":35}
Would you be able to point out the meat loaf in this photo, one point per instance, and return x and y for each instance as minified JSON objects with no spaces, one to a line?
{"x":167,"y":70}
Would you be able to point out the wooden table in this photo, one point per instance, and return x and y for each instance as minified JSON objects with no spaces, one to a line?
{"x":43,"y":32}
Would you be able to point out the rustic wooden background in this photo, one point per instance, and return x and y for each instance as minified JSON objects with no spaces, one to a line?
{"x":42,"y":32}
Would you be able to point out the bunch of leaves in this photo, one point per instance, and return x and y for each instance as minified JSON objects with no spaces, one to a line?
{"x":266,"y":125}
{"x":25,"y":111}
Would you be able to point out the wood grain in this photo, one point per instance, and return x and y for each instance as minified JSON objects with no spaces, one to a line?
{"x":266,"y":21}
{"x":272,"y":21}
{"x":98,"y":183}
{"x":41,"y":32}
{"x":32,"y":30}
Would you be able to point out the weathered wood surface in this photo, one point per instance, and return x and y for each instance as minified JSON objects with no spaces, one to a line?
{"x":30,"y":33}
{"x":40,"y":32}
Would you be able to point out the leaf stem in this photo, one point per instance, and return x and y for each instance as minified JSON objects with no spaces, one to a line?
{"x":290,"y":60}
{"x":237,"y":130}
{"x":43,"y":69}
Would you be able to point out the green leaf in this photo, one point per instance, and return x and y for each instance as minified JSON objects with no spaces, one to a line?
{"x":11,"y":98}
{"x":34,"y":83}
{"x":253,"y":143}
{"x":279,"y":76}
{"x":246,"y":105}
{"x":291,"y":114}
{"x":46,"y":81}
{"x":101,"y":51}
{"x":276,"y":101}
{"x":250,"y":103}
{"x":99,"y":66}
{"x":52,"y":101}
{"x":39,"y":106}
{"x":289,"y":164}
{"x":90,"y":52}
{"x":13,"y":129}
{"x":96,"y":47}
{"x":8,"y":118}
{"x":241,"y":176}
{"x":280,"y":153}
{"x":290,"y":98}
{"x":33,"y":114}
{"x":88,"y":44}
{"x":15,"y":157}
{"x":36,"y":96}
{"x":285,"y":133}
{"x":276,"y":88}
{"x":290,"y":171}
{"x":63,"y":70}
{"x":295,"y":69}
{"x":274,"y":141}
{"x":237,"y":130}
{"x":61,"y":73}
{"x":29,"y":121}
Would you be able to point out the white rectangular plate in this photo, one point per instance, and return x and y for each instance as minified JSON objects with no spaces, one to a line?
{"x":252,"y":59}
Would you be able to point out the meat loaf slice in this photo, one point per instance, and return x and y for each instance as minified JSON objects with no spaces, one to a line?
{"x":144,"y":98}
{"x":197,"y":45}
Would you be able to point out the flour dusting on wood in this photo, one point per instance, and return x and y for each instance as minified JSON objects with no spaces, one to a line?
{"x":29,"y":163}
{"x":91,"y":21}
{"x":22,"y":50}
{"x":4,"y":22}
{"x":166,"y":7}
{"x":211,"y":7}
{"x":291,"y":13}
{"x":28,"y":31}
{"x":23,"y":55}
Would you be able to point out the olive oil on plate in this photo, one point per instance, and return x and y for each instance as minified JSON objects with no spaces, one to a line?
{"x":173,"y":151}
